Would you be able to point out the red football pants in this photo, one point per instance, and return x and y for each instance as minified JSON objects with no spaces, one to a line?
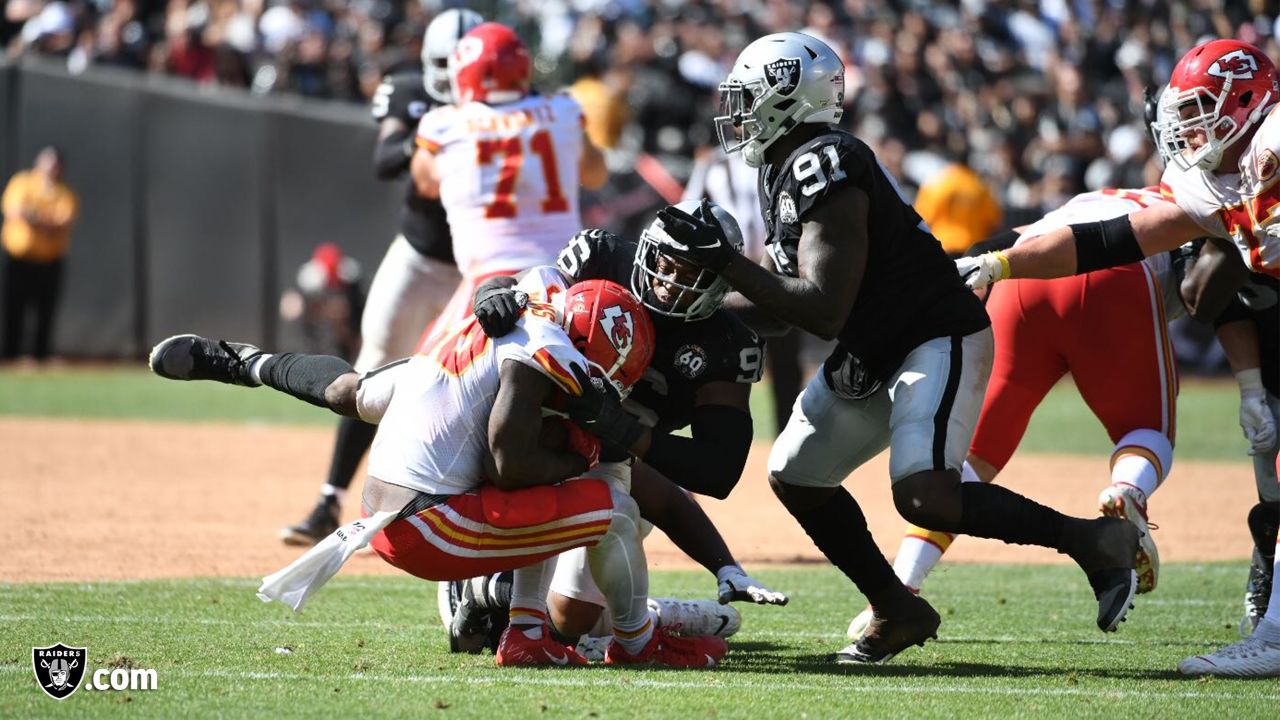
{"x":490,"y":530}
{"x":1106,"y":328}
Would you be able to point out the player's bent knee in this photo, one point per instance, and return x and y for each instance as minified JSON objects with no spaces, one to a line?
{"x":798,"y":498}
{"x":572,"y":617}
{"x":1152,"y":445}
{"x":930,"y":500}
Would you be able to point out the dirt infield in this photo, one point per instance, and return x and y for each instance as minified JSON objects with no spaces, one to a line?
{"x":99,"y":500}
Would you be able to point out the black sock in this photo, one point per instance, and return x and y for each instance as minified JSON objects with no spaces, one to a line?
{"x":350,"y":444}
{"x":992,"y":511}
{"x":303,"y":376}
{"x":561,"y":637}
{"x":839,"y":529}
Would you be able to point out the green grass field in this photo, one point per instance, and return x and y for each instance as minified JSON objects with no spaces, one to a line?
{"x":1015,"y":641}
{"x":1207,"y":424}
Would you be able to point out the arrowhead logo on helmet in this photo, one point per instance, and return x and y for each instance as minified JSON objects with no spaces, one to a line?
{"x":783,"y":75}
{"x":618,"y":327}
{"x":1235,"y":64}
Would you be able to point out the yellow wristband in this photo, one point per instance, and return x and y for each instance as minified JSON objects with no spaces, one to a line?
{"x":1005,"y":272}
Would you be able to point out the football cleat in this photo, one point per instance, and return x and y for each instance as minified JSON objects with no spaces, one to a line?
{"x":1251,"y":657}
{"x":889,"y":633}
{"x":515,"y":649}
{"x":696,"y":617}
{"x":318,"y":525}
{"x":191,"y":357}
{"x":1126,"y":502}
{"x":672,"y":650}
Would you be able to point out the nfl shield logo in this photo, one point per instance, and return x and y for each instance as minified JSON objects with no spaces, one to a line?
{"x":783,"y":75}
{"x":59,"y":669}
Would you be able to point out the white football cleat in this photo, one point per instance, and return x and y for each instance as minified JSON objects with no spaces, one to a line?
{"x":696,"y":617}
{"x":1249,"y":658}
{"x":1126,"y":502}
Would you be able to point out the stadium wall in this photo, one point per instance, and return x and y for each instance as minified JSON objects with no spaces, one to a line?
{"x":197,"y":204}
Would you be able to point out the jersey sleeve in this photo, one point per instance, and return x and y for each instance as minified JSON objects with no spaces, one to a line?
{"x":436,"y":128}
{"x":596,"y":254}
{"x":735,"y":352}
{"x":1194,"y":194}
{"x":540,"y":343}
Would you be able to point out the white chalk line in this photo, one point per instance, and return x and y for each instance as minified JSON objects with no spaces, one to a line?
{"x":597,"y":680}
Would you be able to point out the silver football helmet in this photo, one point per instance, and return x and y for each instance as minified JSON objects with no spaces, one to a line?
{"x":778,"y":82}
{"x":437,"y":45}
{"x":672,"y":287}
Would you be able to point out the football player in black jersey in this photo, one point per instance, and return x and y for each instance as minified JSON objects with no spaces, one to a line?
{"x":1247,"y":322}
{"x":417,"y":275}
{"x":704,"y":364}
{"x":849,"y":259}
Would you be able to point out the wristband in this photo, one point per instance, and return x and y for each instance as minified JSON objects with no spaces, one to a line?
{"x":1250,"y":382}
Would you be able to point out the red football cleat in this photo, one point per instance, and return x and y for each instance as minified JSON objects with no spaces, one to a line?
{"x":701,"y":651}
{"x":516,"y":650}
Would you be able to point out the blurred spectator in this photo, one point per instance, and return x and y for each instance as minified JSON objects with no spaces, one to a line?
{"x":328,"y":301}
{"x":959,"y":208}
{"x":39,"y":211}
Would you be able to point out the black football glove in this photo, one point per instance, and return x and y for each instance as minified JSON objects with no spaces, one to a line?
{"x":598,"y":410}
{"x":498,"y":307}
{"x":701,"y":242}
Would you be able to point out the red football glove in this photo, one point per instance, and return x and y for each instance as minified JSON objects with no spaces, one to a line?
{"x":583,"y":443}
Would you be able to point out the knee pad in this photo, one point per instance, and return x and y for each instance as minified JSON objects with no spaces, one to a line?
{"x":1264,"y":523}
{"x":1152,"y":445}
{"x":626,"y":515}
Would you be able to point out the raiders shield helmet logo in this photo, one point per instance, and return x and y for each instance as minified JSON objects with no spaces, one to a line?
{"x":783,"y":75}
{"x":59,"y":669}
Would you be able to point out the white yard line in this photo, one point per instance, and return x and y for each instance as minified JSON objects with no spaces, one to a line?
{"x":777,"y":683}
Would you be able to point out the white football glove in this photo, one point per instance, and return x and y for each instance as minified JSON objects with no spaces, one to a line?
{"x":737,"y":586}
{"x":984,"y":270}
{"x":1255,"y":416}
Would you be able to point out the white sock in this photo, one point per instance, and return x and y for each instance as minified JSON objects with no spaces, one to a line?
{"x":618,"y":565}
{"x":255,"y":367}
{"x":340,"y":494}
{"x":1137,"y":472}
{"x":917,"y":556}
{"x":529,"y":586}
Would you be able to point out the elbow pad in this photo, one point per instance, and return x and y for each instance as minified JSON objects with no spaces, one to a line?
{"x":1105,"y":244}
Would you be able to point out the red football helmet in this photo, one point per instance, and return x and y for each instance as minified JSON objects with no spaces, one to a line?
{"x":611,"y":329}
{"x":490,"y":65}
{"x":1218,"y":93}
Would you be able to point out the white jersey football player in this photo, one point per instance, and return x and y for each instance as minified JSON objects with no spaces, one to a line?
{"x":507,"y":164}
{"x":1220,"y":132}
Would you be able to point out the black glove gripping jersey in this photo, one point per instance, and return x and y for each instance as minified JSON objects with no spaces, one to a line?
{"x":422,"y":221}
{"x":910,"y":289}
{"x":687,"y":355}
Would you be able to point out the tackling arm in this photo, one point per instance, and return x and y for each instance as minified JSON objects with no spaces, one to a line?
{"x":750,"y":313}
{"x":394,"y":149}
{"x":515,"y":427}
{"x":710,"y":462}
{"x":1212,"y":280}
{"x":832,"y":257}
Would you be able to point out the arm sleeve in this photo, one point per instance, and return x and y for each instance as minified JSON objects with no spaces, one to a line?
{"x":710,"y":462}
{"x":392,"y":154}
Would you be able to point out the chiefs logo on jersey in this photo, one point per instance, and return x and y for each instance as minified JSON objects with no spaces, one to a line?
{"x":618,"y":327}
{"x":1236,"y":64}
